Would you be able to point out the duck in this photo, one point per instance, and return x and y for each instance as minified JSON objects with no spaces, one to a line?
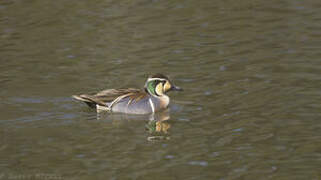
{"x":148,"y":100}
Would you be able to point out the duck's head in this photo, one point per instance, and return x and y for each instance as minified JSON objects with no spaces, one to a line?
{"x":159,"y":85}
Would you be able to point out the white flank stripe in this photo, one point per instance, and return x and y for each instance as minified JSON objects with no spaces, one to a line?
{"x":151,"y":105}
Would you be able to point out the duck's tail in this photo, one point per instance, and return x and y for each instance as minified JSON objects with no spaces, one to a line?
{"x":86,"y":99}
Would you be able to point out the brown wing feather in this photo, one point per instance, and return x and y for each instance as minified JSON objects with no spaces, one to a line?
{"x":109,"y":95}
{"x":137,"y":96}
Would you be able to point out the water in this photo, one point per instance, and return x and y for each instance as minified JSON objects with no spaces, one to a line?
{"x":251,"y":72}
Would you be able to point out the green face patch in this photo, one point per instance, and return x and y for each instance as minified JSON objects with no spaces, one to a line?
{"x":151,"y":85}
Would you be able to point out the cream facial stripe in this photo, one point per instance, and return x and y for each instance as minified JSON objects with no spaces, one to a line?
{"x":151,"y":104}
{"x":167,"y":86}
{"x":153,"y":79}
{"x":159,"y":89}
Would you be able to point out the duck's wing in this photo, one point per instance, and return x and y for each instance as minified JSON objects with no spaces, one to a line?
{"x":110,"y":96}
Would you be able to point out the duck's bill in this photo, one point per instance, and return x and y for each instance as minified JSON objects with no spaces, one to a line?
{"x":176,"y":88}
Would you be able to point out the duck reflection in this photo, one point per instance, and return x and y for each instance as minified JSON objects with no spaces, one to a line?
{"x":158,"y":128}
{"x":157,"y":125}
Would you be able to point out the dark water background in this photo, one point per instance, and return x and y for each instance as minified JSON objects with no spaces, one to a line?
{"x":251,"y":71}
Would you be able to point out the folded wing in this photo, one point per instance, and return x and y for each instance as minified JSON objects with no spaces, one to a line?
{"x":110,"y":96}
